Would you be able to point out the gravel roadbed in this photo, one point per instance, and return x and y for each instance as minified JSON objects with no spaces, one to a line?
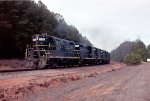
{"x":15,"y":84}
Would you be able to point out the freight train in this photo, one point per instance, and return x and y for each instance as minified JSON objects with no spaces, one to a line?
{"x":49,"y":51}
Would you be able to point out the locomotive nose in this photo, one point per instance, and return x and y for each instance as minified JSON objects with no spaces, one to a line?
{"x":36,"y":54}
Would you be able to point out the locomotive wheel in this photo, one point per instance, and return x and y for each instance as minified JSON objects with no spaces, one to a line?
{"x":54,"y":63}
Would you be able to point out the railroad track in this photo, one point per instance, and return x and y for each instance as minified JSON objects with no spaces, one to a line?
{"x":20,"y":70}
{"x":56,"y":68}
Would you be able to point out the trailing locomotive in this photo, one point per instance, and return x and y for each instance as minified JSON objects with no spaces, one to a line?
{"x":50,"y":51}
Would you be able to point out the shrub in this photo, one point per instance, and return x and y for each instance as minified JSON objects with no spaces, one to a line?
{"x":133,"y":59}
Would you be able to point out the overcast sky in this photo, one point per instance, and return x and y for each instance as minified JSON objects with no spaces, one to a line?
{"x":106,"y":23}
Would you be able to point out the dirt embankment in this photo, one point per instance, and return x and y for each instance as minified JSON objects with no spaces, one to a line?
{"x":11,"y":64}
{"x":13,"y":88}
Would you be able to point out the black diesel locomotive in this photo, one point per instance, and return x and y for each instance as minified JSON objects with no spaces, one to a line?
{"x":50,"y":51}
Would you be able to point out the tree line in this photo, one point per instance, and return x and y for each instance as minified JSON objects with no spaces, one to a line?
{"x":19,"y":20}
{"x":131,"y":52}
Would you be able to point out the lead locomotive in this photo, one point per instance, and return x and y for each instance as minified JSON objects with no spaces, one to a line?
{"x":49,"y":51}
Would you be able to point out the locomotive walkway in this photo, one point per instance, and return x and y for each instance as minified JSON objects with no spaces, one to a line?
{"x":129,"y":84}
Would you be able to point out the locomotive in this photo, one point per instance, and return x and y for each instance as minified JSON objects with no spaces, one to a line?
{"x":49,"y":51}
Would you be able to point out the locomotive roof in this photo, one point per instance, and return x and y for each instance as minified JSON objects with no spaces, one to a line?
{"x":56,"y":38}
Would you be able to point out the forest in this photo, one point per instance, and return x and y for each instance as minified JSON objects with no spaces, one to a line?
{"x":131,"y":52}
{"x":19,"y":20}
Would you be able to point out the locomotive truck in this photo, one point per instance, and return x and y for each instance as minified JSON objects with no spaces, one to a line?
{"x":49,"y":51}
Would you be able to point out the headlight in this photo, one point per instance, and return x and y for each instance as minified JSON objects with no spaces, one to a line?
{"x":41,"y":39}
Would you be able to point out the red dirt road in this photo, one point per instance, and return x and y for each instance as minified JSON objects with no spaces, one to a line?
{"x":129,"y":84}
{"x":15,"y":85}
